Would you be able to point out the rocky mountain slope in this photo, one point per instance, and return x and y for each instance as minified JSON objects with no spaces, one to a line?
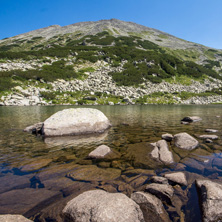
{"x":107,"y":62}
{"x":115,"y":27}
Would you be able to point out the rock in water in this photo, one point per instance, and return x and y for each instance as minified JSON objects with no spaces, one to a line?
{"x":191,"y":119}
{"x":162,"y":191}
{"x":168,"y":137}
{"x":100,"y":152}
{"x":177,"y":177}
{"x":151,"y":207}
{"x":35,"y":129}
{"x":75,"y":122}
{"x":211,"y":130}
{"x":13,"y":218}
{"x":211,"y":199}
{"x":161,"y":152}
{"x":211,"y":137}
{"x":100,"y":206}
{"x":158,"y":179}
{"x":185,"y":141}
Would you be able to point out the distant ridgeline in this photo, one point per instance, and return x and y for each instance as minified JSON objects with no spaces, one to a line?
{"x":139,"y":58}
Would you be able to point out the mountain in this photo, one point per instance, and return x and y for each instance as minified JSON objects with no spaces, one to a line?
{"x":120,"y":54}
{"x":115,"y":27}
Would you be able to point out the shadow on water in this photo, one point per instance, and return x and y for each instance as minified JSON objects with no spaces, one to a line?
{"x":192,"y":209}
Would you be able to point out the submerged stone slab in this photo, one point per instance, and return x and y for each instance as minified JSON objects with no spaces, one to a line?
{"x":185,"y":141}
{"x":20,"y":201}
{"x":35,"y":165}
{"x":100,"y":206}
{"x":93,"y":173}
{"x":75,"y":122}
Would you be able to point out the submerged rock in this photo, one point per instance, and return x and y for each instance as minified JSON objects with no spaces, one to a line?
{"x":100,"y":206}
{"x":185,"y":141}
{"x":138,"y":156}
{"x":35,"y":165}
{"x":177,"y":177}
{"x":208,"y":141}
{"x":191,"y":119}
{"x":211,"y":200}
{"x":75,"y":122}
{"x":21,"y":201}
{"x":13,"y":218}
{"x":151,"y":207}
{"x":157,"y":179}
{"x":100,"y":152}
{"x":161,"y":152}
{"x":93,"y":173}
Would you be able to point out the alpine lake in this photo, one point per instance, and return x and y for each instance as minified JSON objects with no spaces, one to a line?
{"x":39,"y":176}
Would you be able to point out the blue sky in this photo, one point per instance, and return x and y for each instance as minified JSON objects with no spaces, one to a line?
{"x":198,"y":21}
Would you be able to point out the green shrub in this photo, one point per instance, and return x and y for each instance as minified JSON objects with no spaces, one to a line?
{"x":81,"y":102}
{"x":48,"y":95}
{"x":6,"y":83}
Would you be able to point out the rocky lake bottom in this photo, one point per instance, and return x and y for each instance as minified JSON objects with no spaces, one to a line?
{"x":39,"y":176}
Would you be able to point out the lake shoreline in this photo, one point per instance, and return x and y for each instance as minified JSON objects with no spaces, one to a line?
{"x":39,"y":177}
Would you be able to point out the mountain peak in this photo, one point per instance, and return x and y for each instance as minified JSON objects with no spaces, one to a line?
{"x":113,"y":26}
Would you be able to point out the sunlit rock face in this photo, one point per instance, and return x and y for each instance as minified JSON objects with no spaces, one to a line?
{"x":210,"y":199}
{"x":185,"y":141}
{"x":76,"y":122}
{"x":101,"y":206}
{"x":13,"y":218}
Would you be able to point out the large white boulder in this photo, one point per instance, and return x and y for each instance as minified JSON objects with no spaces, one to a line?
{"x":100,"y":206}
{"x":75,"y":122}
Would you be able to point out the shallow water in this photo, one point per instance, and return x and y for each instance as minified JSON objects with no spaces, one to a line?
{"x":29,"y":164}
